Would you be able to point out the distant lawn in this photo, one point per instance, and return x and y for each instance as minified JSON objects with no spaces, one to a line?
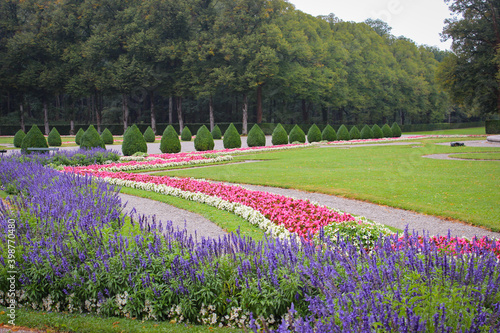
{"x":396,"y":176}
{"x":478,"y":156}
{"x":463,"y":131}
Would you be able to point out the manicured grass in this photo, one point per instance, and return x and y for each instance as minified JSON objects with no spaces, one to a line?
{"x":464,"y":131}
{"x":396,"y":176}
{"x":478,"y":156}
{"x":226,"y":220}
{"x":65,"y":322}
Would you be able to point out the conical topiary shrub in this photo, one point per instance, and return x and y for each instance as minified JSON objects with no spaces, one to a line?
{"x":91,"y":139}
{"x":256,"y":137}
{"x":107,"y":137}
{"x":33,"y":139}
{"x":149,"y":135}
{"x":231,"y":138}
{"x":366,"y":132}
{"x":216,"y":133}
{"x":314,"y":134}
{"x":54,"y":138}
{"x":170,"y":141}
{"x":329,"y":134}
{"x":396,"y":130}
{"x":186,"y":134}
{"x":203,"y":140}
{"x":354,"y":133}
{"x":78,"y":137}
{"x":18,"y":138}
{"x":377,"y":132}
{"x":279,"y":136}
{"x":297,"y":135}
{"x":343,"y":133}
{"x":133,"y":141}
{"x":386,"y":130}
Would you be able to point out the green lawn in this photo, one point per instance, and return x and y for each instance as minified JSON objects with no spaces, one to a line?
{"x":478,"y":156}
{"x":396,"y":176}
{"x":464,"y":131}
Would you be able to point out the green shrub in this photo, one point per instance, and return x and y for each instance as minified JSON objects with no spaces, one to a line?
{"x":33,"y":139}
{"x":297,"y":135}
{"x":54,"y":138}
{"x":386,"y":130}
{"x":354,"y":133}
{"x":216,"y":133}
{"x":279,"y":136}
{"x":396,"y":130}
{"x":170,"y":141}
{"x":149,"y":135}
{"x":366,"y":132}
{"x":107,"y":137}
{"x":203,"y":140}
{"x":18,"y":138}
{"x":231,"y":138}
{"x":329,"y":134}
{"x":78,"y":137}
{"x":186,"y":134}
{"x":314,"y":134}
{"x":91,"y":139}
{"x":133,"y":141}
{"x":377,"y":132}
{"x":256,"y":137}
{"x":343,"y":133}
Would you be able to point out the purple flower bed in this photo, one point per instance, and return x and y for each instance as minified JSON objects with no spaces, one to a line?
{"x":76,"y":253}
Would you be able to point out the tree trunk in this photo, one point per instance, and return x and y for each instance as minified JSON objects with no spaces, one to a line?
{"x":179,"y":113}
{"x":46,"y":116}
{"x":71,"y":127}
{"x":211,"y":113}
{"x":98,"y":112}
{"x":21,"y":112}
{"x":153,"y":115}
{"x":170,"y":109}
{"x":259,"y":104}
{"x":304,"y":111}
{"x":244,"y":130}
{"x":125,"y":111}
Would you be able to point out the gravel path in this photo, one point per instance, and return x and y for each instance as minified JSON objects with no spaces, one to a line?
{"x":447,"y":157}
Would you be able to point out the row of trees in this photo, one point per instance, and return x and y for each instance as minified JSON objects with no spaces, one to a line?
{"x":231,"y":60}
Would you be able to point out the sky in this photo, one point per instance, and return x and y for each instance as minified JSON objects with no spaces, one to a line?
{"x":420,"y":20}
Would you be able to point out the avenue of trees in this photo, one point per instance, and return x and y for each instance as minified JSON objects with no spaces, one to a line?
{"x":207,"y":61}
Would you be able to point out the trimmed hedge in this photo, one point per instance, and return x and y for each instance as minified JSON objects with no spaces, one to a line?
{"x":91,"y":139}
{"x":297,"y":135}
{"x":170,"y":141}
{"x":256,"y":137}
{"x":33,"y":139}
{"x":231,"y":138}
{"x":203,"y":140}
{"x":492,"y":126}
{"x":280,"y":136}
{"x":396,"y":130}
{"x":366,"y":132}
{"x":133,"y":141}
{"x":107,"y":137}
{"x":387,"y":131}
{"x":149,"y":135}
{"x":54,"y":138}
{"x":343,"y":134}
{"x":18,"y":138}
{"x":377,"y":132}
{"x":78,"y":137}
{"x":186,"y":134}
{"x":314,"y":134}
{"x":354,"y":133}
{"x":329,"y":134}
{"x":216,"y":133}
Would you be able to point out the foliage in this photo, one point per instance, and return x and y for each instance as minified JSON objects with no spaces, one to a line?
{"x":279,"y":136}
{"x":396,"y":130}
{"x":133,"y":141}
{"x":91,"y":139}
{"x":149,"y":135}
{"x":329,"y":134}
{"x":170,"y":141}
{"x":73,"y":158}
{"x":297,"y":135}
{"x":186,"y":134}
{"x":231,"y":138}
{"x":343,"y":133}
{"x":354,"y":133}
{"x":203,"y":140}
{"x":256,"y":137}
{"x":314,"y":134}
{"x":107,"y":137}
{"x":377,"y":132}
{"x":78,"y":136}
{"x":387,"y":131}
{"x":492,"y":126}
{"x":54,"y":138}
{"x":18,"y":138}
{"x":366,"y":132}
{"x":33,"y":139}
{"x":216,"y":133}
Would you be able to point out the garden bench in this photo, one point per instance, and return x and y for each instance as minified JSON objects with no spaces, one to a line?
{"x":43,"y":150}
{"x":3,"y":151}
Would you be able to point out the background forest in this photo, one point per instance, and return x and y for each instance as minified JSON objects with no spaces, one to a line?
{"x":208,"y":61}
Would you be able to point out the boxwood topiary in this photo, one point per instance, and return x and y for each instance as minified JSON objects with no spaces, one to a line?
{"x":33,"y":139}
{"x":297,"y":135}
{"x":279,"y":136}
{"x":329,"y":134}
{"x":256,"y":137}
{"x":396,"y":130}
{"x":186,"y":134}
{"x":78,"y":137}
{"x":149,"y":135}
{"x":170,"y":141}
{"x":386,"y":130}
{"x":216,"y":133}
{"x":377,"y":132}
{"x":91,"y":139}
{"x":343,"y":133}
{"x":231,"y":138}
{"x":54,"y":138}
{"x":354,"y":133}
{"x":366,"y":132}
{"x":18,"y":138}
{"x":203,"y":140}
{"x":133,"y":141}
{"x":107,"y":137}
{"x":314,"y":134}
